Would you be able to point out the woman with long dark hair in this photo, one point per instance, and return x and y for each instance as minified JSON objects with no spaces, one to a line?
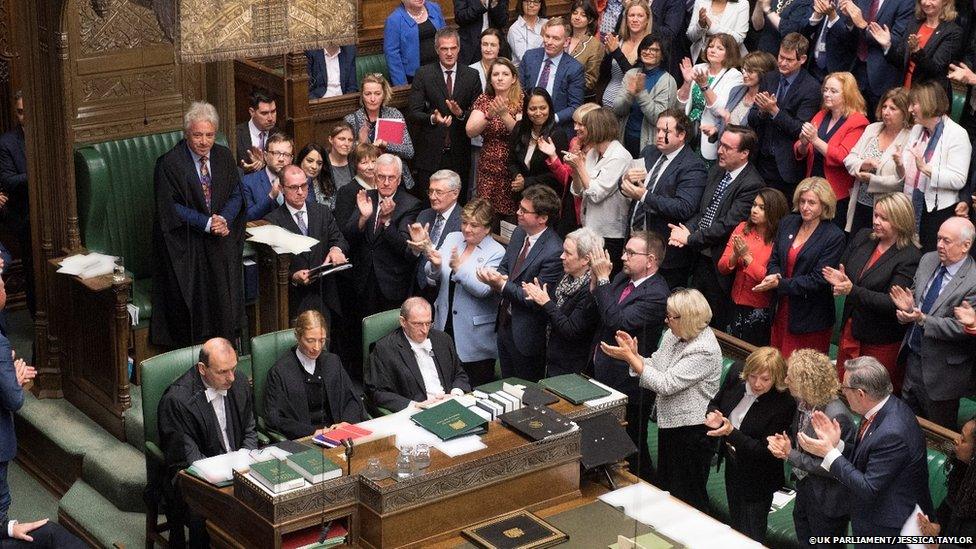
{"x":311,"y":159}
{"x":526,"y":163}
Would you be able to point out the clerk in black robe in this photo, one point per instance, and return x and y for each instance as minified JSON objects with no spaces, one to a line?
{"x":308,"y":391}
{"x":197,"y":238}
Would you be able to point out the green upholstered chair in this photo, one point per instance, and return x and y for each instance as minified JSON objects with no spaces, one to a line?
{"x":967,"y":410}
{"x":937,"y":476}
{"x":958,"y":104}
{"x":835,"y":336}
{"x":375,"y":327}
{"x":368,"y":64}
{"x":265,"y":351}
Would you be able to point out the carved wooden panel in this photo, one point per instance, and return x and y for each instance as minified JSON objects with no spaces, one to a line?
{"x":125,"y":25}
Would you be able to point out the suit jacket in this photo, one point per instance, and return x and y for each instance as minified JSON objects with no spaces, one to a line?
{"x":474,"y":309}
{"x":674,"y":199}
{"x":830,"y":495}
{"x":572,"y":327}
{"x":318,"y":75}
{"x":322,"y":226}
{"x":13,"y":180}
{"x":568,"y":88}
{"x":754,"y":471}
{"x":401,"y":41}
{"x":469,"y":16}
{"x":286,"y":400}
{"x":897,"y":15}
{"x":242,"y":136}
{"x":393,"y":378}
{"x":452,"y":225}
{"x":947,"y":351}
{"x":932,"y":61}
{"x":811,"y":297}
{"x":257,"y":188}
{"x":839,"y":46}
{"x":537,"y":172}
{"x":777,"y":134}
{"x":11,"y":399}
{"x":868,"y":306}
{"x":345,"y":201}
{"x":188,"y":428}
{"x":685,"y":377}
{"x":429,"y":93}
{"x":888,"y":473}
{"x":542,"y":262}
{"x":641,"y":315}
{"x":839,"y":145}
{"x":794,"y":17}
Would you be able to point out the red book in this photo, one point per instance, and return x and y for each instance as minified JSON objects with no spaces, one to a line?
{"x":310,"y":536}
{"x":335,"y":437}
{"x":390,"y":130}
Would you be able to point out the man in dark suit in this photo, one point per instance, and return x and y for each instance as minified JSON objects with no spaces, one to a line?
{"x":204,"y":413}
{"x":14,"y":195}
{"x":669,"y":23}
{"x":414,"y":364}
{"x":887,"y":475}
{"x":198,"y":240}
{"x":962,"y":73}
{"x":262,"y":189}
{"x":331,"y":71}
{"x":532,"y":255}
{"x":832,"y":48}
{"x":251,"y":136}
{"x":732,"y":185}
{"x":938,"y":350}
{"x":667,"y":190}
{"x":635,"y":302}
{"x":434,"y":223}
{"x":551,"y":68}
{"x":786,"y":100}
{"x":474,"y":16}
{"x":315,"y":220}
{"x":441,"y":97}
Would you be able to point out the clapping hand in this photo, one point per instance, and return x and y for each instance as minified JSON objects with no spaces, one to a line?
{"x":913,"y":45}
{"x":719,"y":424}
{"x":256,"y":158}
{"x":828,"y":435}
{"x":335,"y":256}
{"x":625,"y":350}
{"x":703,"y":20}
{"x":687,"y":70}
{"x":850,"y":9}
{"x":491,"y":277}
{"x":823,"y":7}
{"x":965,"y":314}
{"x":701,"y":77}
{"x":419,"y":237}
{"x":962,"y":74}
{"x":632,"y":190}
{"x":575,"y":161}
{"x":808,"y":133}
{"x":546,"y":146}
{"x":456,"y":109}
{"x":23,"y":372}
{"x":740,"y":250}
{"x":635,"y":84}
{"x":434,"y":257}
{"x":771,"y":282}
{"x":767,"y":103}
{"x":600,"y":264}
{"x":612,"y":42}
{"x":962,"y":209}
{"x":364,"y":132}
{"x":499,"y":106}
{"x":535,"y":292}
{"x":364,"y":204}
{"x":679,"y":235}
{"x":387,"y":205}
{"x":929,"y":529}
{"x":838,"y":279}
{"x":779,"y":445}
{"x":455,"y":261}
{"x":882,"y":35}
{"x":518,"y":183}
{"x":905,"y":302}
{"x":441,"y":119}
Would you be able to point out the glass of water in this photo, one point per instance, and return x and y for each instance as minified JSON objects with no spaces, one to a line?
{"x":421,"y":456}
{"x":118,"y":271}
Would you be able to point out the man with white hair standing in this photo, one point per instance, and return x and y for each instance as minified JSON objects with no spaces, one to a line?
{"x":938,"y":350}
{"x":197,"y":237}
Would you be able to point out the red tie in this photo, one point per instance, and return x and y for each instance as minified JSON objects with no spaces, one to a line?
{"x":862,"y":44}
{"x":864,"y":427}
{"x":521,"y":257}
{"x":623,"y":295}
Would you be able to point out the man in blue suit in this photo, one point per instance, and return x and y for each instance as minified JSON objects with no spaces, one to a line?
{"x":442,"y":218}
{"x":888,"y":473}
{"x":331,"y":71}
{"x":262,"y":189}
{"x":532,"y":256}
{"x":550,"y":68}
{"x":831,"y":42}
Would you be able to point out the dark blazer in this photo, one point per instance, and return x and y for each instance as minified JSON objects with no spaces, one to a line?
{"x":675,"y":199}
{"x":869,"y":306}
{"x":11,"y":399}
{"x":830,"y":495}
{"x":257,"y":187}
{"x":571,"y":330}
{"x":897,"y":15}
{"x":668,"y":17}
{"x":469,"y":16}
{"x":242,"y":135}
{"x":528,"y":320}
{"x":932,"y":61}
{"x":537,"y":172}
{"x":393,"y":378}
{"x":888,"y":473}
{"x":188,"y":428}
{"x":318,"y":76}
{"x":640,"y":315}
{"x":750,"y":467}
{"x":452,"y":225}
{"x":568,"y":86}
{"x":795,"y":17}
{"x":384,"y":252}
{"x":839,"y":48}
{"x":286,"y":400}
{"x":777,"y":134}
{"x":428,"y":93}
{"x":322,"y":226}
{"x":811,"y":297}
{"x":345,"y":201}
{"x":13,"y":180}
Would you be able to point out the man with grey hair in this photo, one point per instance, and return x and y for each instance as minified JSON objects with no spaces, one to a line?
{"x":197,"y":237}
{"x":433,"y":224}
{"x":937,"y":349}
{"x":887,"y":472}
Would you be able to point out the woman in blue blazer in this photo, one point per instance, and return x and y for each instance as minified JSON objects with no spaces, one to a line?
{"x":412,"y":22}
{"x":465,"y":307}
{"x":804,"y":246}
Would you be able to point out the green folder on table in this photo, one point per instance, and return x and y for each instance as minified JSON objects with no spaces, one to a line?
{"x":574,"y":388}
{"x":450,"y":419}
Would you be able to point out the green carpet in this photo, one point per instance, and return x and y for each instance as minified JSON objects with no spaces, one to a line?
{"x":29,"y":499}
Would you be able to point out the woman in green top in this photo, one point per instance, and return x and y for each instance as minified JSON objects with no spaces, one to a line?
{"x":706,"y":88}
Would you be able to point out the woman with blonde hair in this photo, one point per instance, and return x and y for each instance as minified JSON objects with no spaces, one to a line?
{"x":374,"y":102}
{"x":751,"y":405}
{"x":878,"y":258}
{"x":827,"y":139}
{"x":821,"y":507}
{"x":622,"y":50}
{"x":806,"y":242}
{"x":684,"y":374}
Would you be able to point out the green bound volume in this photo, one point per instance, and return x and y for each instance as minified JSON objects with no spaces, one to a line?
{"x":314,"y":466}
{"x":450,"y":420}
{"x":574,"y":388}
{"x":493,"y":386}
{"x":276,"y":476}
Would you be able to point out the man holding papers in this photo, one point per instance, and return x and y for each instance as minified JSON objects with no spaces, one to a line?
{"x":414,"y":364}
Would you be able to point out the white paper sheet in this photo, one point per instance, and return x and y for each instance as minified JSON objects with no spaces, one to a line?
{"x":280,"y":239}
{"x":614,"y":395}
{"x":633,"y":498}
{"x":461,"y":445}
{"x":913,"y":528}
{"x":88,"y":265}
{"x":221,"y":468}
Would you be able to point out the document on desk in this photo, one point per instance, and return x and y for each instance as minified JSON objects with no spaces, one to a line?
{"x":633,"y":498}
{"x":87,"y":265}
{"x":460,"y":446}
{"x":281,"y":240}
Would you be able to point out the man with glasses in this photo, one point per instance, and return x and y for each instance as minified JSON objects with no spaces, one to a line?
{"x":262,"y":189}
{"x":433,"y":224}
{"x":533,"y":255}
{"x":786,"y":99}
{"x":415,"y":364}
{"x":634,"y":302}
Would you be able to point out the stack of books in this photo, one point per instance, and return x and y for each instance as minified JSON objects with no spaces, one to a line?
{"x":536,"y":422}
{"x":292,"y":472}
{"x":574,"y":388}
{"x":312,"y":538}
{"x":334,"y":438}
{"x":314,"y":466}
{"x":491,"y":405}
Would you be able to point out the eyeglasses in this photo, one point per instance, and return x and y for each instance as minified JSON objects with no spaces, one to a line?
{"x":628,"y":251}
{"x":381,"y":177}
{"x":440,"y":192}
{"x":302,"y":187}
{"x":520,"y":211}
{"x":669,"y":316}
{"x":279,"y":154}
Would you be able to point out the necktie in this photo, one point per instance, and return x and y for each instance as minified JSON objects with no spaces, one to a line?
{"x":865,"y":423}
{"x":262,"y":138}
{"x":449,"y":84}
{"x":709,"y":215}
{"x":862,"y":43}
{"x":300,"y":221}
{"x":521,"y":258}
{"x":781,"y":90}
{"x":544,"y":76}
{"x":205,"y":179}
{"x":639,"y":218}
{"x":505,"y":306}
{"x":655,"y":172}
{"x":435,"y":235}
{"x":627,"y":290}
{"x":915,"y":342}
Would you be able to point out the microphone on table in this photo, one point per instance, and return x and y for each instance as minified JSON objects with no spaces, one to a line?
{"x":348,"y":443}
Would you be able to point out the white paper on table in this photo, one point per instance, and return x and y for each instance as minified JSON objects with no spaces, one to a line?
{"x":633,"y":498}
{"x":781,"y":498}
{"x":221,"y":468}
{"x":280,"y":239}
{"x":727,"y":539}
{"x":663,"y":512}
{"x":88,"y":265}
{"x":517,"y":391}
{"x":692,"y":528}
{"x":461,"y":445}
{"x":913,"y":528}
{"x":267,"y":453}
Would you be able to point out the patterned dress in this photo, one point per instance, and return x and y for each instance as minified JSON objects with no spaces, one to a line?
{"x":494,"y":181}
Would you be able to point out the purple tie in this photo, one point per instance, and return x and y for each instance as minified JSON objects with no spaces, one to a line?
{"x":544,"y":77}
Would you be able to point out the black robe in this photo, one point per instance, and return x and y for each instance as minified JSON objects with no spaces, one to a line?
{"x":285,"y":398}
{"x":197,"y":276}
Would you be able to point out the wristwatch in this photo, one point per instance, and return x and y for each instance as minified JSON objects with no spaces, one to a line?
{"x":705,"y":88}
{"x":603,"y":282}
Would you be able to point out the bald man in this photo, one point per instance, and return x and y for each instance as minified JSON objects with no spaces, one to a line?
{"x":204,"y":413}
{"x":938,"y":352}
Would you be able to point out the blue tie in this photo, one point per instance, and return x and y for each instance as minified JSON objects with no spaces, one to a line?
{"x":915,"y":341}
{"x":783,"y":88}
{"x":712,"y":209}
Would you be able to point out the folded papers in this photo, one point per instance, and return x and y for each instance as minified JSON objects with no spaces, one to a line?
{"x":281,"y":240}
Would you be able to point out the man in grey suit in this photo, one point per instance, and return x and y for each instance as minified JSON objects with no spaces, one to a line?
{"x":442,"y":218}
{"x":937,"y":348}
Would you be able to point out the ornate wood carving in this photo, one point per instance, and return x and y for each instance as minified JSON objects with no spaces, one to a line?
{"x":278,"y":508}
{"x":125,"y":25}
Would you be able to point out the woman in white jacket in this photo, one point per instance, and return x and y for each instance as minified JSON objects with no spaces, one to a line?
{"x":711,"y":17}
{"x":706,"y":87}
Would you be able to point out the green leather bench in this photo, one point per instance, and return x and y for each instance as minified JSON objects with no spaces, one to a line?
{"x":958,"y":104}
{"x":265,"y":350}
{"x":369,"y":64}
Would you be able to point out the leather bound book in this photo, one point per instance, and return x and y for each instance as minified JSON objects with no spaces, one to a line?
{"x":574,"y":388}
{"x":449,"y":420}
{"x":604,"y":441}
{"x":518,"y":530}
{"x":536,"y":422}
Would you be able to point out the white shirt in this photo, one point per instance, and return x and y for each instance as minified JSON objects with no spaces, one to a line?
{"x":294,"y":211}
{"x":640,"y":281}
{"x":308,"y":364}
{"x":742,"y":408}
{"x":835,"y":452}
{"x":815,"y":20}
{"x":424,"y":354}
{"x":333,"y":83}
{"x":523,"y":38}
{"x":216,"y":399}
{"x":255,"y":134}
{"x":668,"y":158}
{"x":272,"y":178}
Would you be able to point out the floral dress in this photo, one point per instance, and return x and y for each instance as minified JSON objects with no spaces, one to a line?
{"x":494,"y":181}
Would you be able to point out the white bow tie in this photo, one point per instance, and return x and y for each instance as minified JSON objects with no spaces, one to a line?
{"x":214,"y":393}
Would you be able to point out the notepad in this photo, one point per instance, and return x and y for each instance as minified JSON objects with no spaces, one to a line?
{"x":390,"y":130}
